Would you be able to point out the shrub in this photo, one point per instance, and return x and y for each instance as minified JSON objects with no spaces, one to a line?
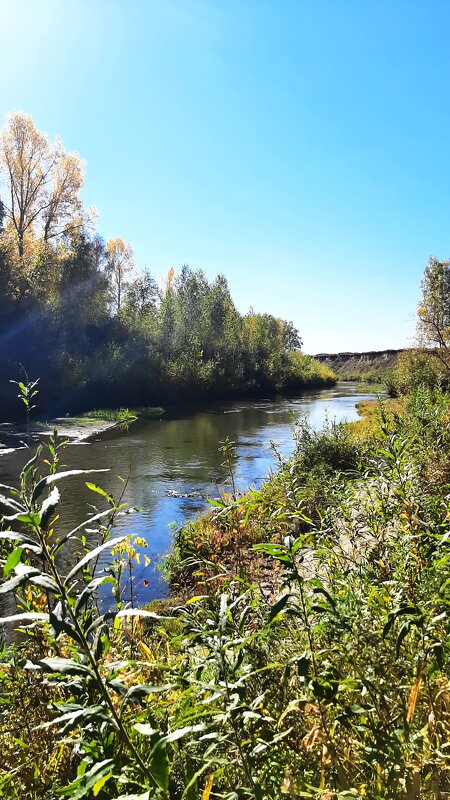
{"x":413,"y":368}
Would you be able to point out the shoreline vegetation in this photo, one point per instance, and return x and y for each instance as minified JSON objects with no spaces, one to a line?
{"x":100,"y":332}
{"x":97,"y":422}
{"x":320,"y":457}
{"x":303,"y":652}
{"x":75,"y":430}
{"x":344,"y":547}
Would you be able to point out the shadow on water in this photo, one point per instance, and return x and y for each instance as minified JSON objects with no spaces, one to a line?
{"x":173,"y":465}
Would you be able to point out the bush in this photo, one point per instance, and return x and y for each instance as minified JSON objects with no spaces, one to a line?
{"x":413,"y":368}
{"x":331,"y":450}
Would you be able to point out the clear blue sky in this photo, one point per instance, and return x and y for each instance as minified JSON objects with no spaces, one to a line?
{"x":301,"y":147}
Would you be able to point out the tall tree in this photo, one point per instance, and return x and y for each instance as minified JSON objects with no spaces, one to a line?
{"x":41,"y":183}
{"x":291,"y":336}
{"x":434,"y":310}
{"x":142,"y":295}
{"x":120,"y":265}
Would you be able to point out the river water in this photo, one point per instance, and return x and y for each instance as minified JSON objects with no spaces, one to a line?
{"x":172,"y":466}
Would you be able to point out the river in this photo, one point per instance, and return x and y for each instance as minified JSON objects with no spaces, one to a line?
{"x":173,"y":465}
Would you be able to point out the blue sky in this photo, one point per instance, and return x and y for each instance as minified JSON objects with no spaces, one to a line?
{"x":301,"y":147}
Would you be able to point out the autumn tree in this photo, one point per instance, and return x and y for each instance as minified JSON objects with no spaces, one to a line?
{"x":166,"y":332}
{"x":120,"y":265}
{"x":433,"y":326}
{"x":40,"y":182}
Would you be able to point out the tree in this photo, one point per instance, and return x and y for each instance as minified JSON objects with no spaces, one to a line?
{"x":120,"y":264}
{"x":41,"y":183}
{"x":142,"y":295}
{"x":433,"y":326}
{"x":291,"y":336}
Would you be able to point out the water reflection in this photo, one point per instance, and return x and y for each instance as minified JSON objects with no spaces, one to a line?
{"x":165,"y":461}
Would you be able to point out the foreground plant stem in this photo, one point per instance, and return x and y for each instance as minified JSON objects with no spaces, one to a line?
{"x":309,"y":634}
{"x":99,"y":681}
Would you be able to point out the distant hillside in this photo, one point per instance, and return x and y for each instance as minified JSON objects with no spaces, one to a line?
{"x":359,"y":363}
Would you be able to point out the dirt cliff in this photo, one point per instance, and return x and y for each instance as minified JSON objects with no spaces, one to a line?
{"x":359,"y":363}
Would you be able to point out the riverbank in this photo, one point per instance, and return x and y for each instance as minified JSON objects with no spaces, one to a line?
{"x":173,"y":465}
{"x":76,"y":430}
{"x":88,"y":425}
{"x":305,"y":652}
{"x":341,"y":563}
{"x":225,"y":537}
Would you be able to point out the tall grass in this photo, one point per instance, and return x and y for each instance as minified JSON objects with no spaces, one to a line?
{"x":305,"y":655}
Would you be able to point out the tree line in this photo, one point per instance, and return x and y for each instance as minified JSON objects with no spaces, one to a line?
{"x":75,"y":311}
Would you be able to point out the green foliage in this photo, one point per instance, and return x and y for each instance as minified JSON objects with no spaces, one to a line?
{"x":414,"y":368}
{"x":101,"y":334}
{"x":183,"y":342}
{"x":110,"y":415}
{"x":327,"y":451}
{"x":355,"y":623}
{"x":122,"y":414}
{"x":309,"y":654}
{"x":69,"y":640}
{"x":434,"y":309}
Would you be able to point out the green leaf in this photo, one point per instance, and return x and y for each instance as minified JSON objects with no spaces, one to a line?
{"x":45,"y":582}
{"x":9,"y":488}
{"x":73,"y":717}
{"x":13,"y":536}
{"x":91,"y":588}
{"x":403,"y":632}
{"x":303,"y":665}
{"x":321,"y":590}
{"x":137,"y":693}
{"x":275,"y":550}
{"x":193,"y":781}
{"x":159,"y":765}
{"x":65,"y":666}
{"x":42,"y":484}
{"x":60,"y":625}
{"x":138,"y":612}
{"x":12,"y":561}
{"x":93,"y":554}
{"x":29,"y":518}
{"x":278,"y":607}
{"x":100,"y":783}
{"x":48,"y":507}
{"x":145,"y":729}
{"x":19,"y":579}
{"x":30,"y":464}
{"x":298,"y":542}
{"x":80,"y":527}
{"x":94,"y":488}
{"x":178,"y":734}
{"x":21,"y":744}
{"x":31,"y":617}
{"x":386,"y":453}
{"x":196,"y":599}
{"x":13,"y":505}
{"x":100,"y":620}
{"x":83,"y":785}
{"x":388,"y":625}
{"x":24,"y":541}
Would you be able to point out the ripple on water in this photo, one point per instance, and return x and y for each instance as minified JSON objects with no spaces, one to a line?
{"x":181,"y":455}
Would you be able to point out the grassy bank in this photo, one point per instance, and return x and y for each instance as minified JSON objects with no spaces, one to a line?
{"x":304,"y":653}
{"x":118,"y":414}
{"x":379,"y":376}
{"x":344,"y":551}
